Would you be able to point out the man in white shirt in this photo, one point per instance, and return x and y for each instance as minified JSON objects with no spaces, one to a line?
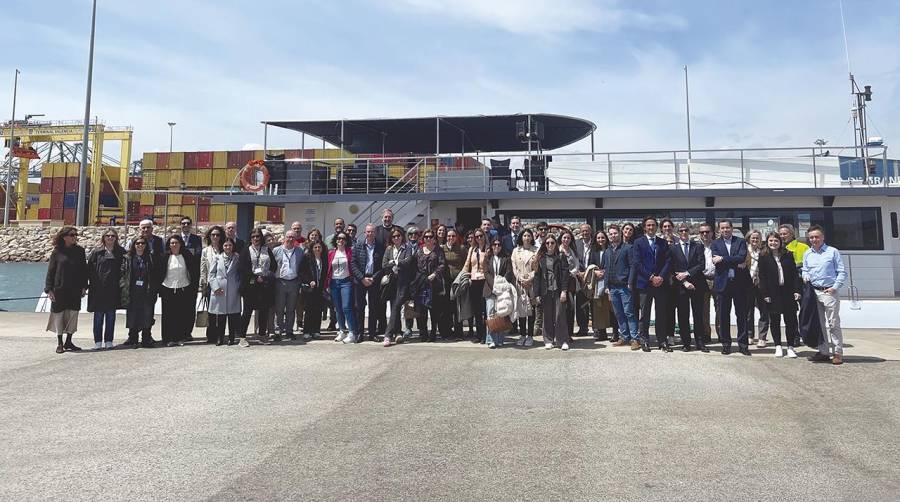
{"x":288,"y":258}
{"x":709,"y":273}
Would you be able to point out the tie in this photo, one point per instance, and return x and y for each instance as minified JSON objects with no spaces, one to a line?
{"x":653,"y":247}
{"x":685,"y":245}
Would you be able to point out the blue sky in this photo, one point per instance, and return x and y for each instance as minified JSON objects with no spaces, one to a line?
{"x":763,"y":73}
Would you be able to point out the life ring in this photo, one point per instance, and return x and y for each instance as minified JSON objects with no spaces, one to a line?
{"x":248,"y":175}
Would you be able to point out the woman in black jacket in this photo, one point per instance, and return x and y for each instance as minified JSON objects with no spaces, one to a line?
{"x":431,"y":297}
{"x":65,"y":284}
{"x":779,"y":287}
{"x":104,"y":290}
{"x":553,"y":289}
{"x":181,"y":279}
{"x":257,"y":267}
{"x":141,"y":279}
{"x":312,"y":284}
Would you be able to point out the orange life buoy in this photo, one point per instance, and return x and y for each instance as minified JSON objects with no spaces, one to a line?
{"x":248,"y":175}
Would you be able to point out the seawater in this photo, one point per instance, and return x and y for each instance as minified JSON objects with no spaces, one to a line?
{"x":21,"y":280}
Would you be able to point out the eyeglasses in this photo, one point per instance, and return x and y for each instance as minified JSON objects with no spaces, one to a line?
{"x":496,"y":244}
{"x":255,"y":237}
{"x":704,"y":231}
{"x":185,"y":223}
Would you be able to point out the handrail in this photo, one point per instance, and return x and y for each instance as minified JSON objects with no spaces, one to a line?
{"x":371,"y":205}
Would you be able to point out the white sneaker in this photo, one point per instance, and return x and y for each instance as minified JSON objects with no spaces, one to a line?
{"x":307,"y":336}
{"x":529,"y":341}
{"x":107,"y":345}
{"x":521,"y":341}
{"x":340,"y":336}
{"x":790,"y":353}
{"x":399,"y":339}
{"x":244,"y":342}
{"x":387,"y":340}
{"x":565,"y":346}
{"x":98,"y":345}
{"x":351,"y":338}
{"x":548,"y":345}
{"x":492,"y":345}
{"x":761,"y":344}
{"x":778,"y":351}
{"x":590,"y":331}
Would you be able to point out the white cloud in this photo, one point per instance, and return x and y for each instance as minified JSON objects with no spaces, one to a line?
{"x":542,"y":17}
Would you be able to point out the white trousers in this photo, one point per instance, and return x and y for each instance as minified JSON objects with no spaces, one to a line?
{"x":830,"y":319}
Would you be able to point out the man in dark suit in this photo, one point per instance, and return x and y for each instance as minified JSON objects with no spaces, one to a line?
{"x":231,"y":231}
{"x":651,"y":258}
{"x":582,"y":302}
{"x":510,"y":240}
{"x":688,"y":261}
{"x":145,"y":230}
{"x":383,"y":231}
{"x":731,"y":283}
{"x":365,"y":265}
{"x":191,"y":240}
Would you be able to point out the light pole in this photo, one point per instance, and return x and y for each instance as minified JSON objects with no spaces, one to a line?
{"x":82,"y":172}
{"x":12,"y":142}
{"x":171,"y":135}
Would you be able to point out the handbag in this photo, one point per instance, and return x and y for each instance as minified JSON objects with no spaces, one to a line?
{"x":499,"y":324}
{"x":409,"y":309}
{"x":202,"y":320}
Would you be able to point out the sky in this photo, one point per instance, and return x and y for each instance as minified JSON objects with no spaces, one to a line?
{"x":762,"y":74}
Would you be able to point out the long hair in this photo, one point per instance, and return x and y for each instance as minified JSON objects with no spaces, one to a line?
{"x":58,"y":241}
{"x":566,"y":231}
{"x":106,"y":232}
{"x":131,"y":247}
{"x":595,"y":246}
{"x":520,"y":242}
{"x":780,"y":250}
{"x":181,"y":249}
{"x":542,"y":252}
{"x":502,"y":252}
{"x":763,"y":248}
{"x":208,"y":240}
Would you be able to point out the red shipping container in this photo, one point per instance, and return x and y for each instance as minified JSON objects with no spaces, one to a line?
{"x":69,"y":216}
{"x":204,"y":160}
{"x":189,"y":199}
{"x":273,"y":214}
{"x":46,"y":185}
{"x":190,"y":160}
{"x":234,"y":160}
{"x":203,"y":214}
{"x":162,"y":160}
{"x":57,"y":200}
{"x":44,"y":213}
{"x":107,"y":189}
{"x":301,"y":154}
{"x":160,"y":199}
{"x":146,"y":211}
{"x":135,"y":182}
{"x":56,"y":214}
{"x":71,"y":184}
{"x":205,"y":201}
{"x":59,"y":186}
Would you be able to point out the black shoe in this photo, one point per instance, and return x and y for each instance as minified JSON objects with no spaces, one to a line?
{"x":277,"y":338}
{"x":703,"y":348}
{"x":71,"y":347}
{"x":188,"y":338}
{"x":220,"y":343}
{"x":664,"y":347}
{"x":726,"y":351}
{"x":645,"y":347}
{"x":292,"y":337}
{"x":686,"y":348}
{"x":745,"y":351}
{"x":331,"y":327}
{"x":148,"y":344}
{"x":819,"y":357}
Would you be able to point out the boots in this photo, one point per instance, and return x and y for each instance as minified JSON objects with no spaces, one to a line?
{"x":231,"y":339}
{"x":69,"y":345}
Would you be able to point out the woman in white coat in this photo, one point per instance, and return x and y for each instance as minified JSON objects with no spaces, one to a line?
{"x":225,"y":297}
{"x":213,"y":240}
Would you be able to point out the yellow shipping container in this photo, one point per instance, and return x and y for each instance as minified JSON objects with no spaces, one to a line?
{"x":190,"y":178}
{"x":59,"y":170}
{"x":147,"y":199}
{"x":176,"y":160}
{"x":174,"y":200}
{"x":220,"y":178}
{"x":176,"y":177}
{"x":259,"y":154}
{"x":217,"y":213}
{"x":220,"y":160}
{"x":260,"y":213}
{"x":112,"y":172}
{"x":230,"y":212}
{"x":189,"y":210}
{"x":149,"y":180}
{"x":149,"y":161}
{"x":204,"y":177}
{"x":45,"y":200}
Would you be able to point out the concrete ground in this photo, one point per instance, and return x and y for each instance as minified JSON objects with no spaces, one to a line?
{"x":444,"y":421}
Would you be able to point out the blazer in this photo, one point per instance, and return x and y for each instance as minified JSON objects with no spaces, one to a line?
{"x":194,"y":243}
{"x":693,"y":264}
{"x":281,"y":254}
{"x":227,"y":279}
{"x":506,"y":270}
{"x":360,"y":256}
{"x":731,"y":261}
{"x":580,"y":249}
{"x":560,"y":269}
{"x":782,"y":295}
{"x":313,"y":297}
{"x":619,"y":266}
{"x":647,"y":264}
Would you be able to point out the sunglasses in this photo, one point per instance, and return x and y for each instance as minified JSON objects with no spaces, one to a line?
{"x":256,"y":237}
{"x":704,"y":231}
{"x":185,"y":223}
{"x":682,"y":230}
{"x":396,"y":237}
{"x":140,"y":243}
{"x":497,"y":244}
{"x":428,"y":237}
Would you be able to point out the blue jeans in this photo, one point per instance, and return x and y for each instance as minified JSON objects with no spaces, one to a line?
{"x":491,"y":337}
{"x":109,"y":318}
{"x":620,"y":297}
{"x":342,"y":298}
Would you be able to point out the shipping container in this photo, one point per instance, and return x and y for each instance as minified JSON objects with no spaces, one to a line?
{"x":150,"y":161}
{"x":205,"y":160}
{"x":147,"y":199}
{"x":176,"y":160}
{"x":175,"y":199}
{"x":190,"y":177}
{"x":203,"y":214}
{"x":109,"y":201}
{"x":176,"y":177}
{"x":46,"y":185}
{"x":261,"y":213}
{"x":273,"y":214}
{"x":220,"y":160}
{"x":204,"y":177}
{"x":162,"y":161}
{"x":31,"y":213}
{"x":71,"y":184}
{"x":108,"y":189}
{"x":189,"y":199}
{"x":135,"y":183}
{"x":59,"y":170}
{"x":159,"y":199}
{"x":217,"y":213}
{"x":56,"y":200}
{"x":188,"y":210}
{"x":44,"y":213}
{"x":45,"y":200}
{"x":230,"y":212}
{"x":59,"y":186}
{"x":69,"y":216}
{"x":56,"y":214}
{"x":146,"y":210}
{"x":205,"y":201}
{"x":148,"y":180}
{"x":69,"y":200}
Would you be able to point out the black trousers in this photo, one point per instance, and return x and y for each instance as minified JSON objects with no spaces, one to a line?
{"x":582,"y":312}
{"x":790,"y":327}
{"x":737,"y":296}
{"x":377,"y":318}
{"x":691,"y":302}
{"x":672,"y":291}
{"x":217,"y":324}
{"x":649,"y":298}
{"x":440,"y":319}
{"x":476,"y":301}
{"x":262,"y":318}
{"x":177,"y":313}
{"x":312,"y":314}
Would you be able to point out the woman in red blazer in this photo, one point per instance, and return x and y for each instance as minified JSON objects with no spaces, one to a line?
{"x":339,"y":283}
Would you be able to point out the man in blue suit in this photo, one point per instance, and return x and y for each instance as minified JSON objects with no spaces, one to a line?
{"x":651,"y":259}
{"x":732,"y":280}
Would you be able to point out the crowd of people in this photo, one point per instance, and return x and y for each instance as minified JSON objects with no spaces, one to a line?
{"x":484,"y":284}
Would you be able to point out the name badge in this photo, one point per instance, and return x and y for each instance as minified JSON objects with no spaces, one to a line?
{"x":139,"y":283}
{"x":258,"y":271}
